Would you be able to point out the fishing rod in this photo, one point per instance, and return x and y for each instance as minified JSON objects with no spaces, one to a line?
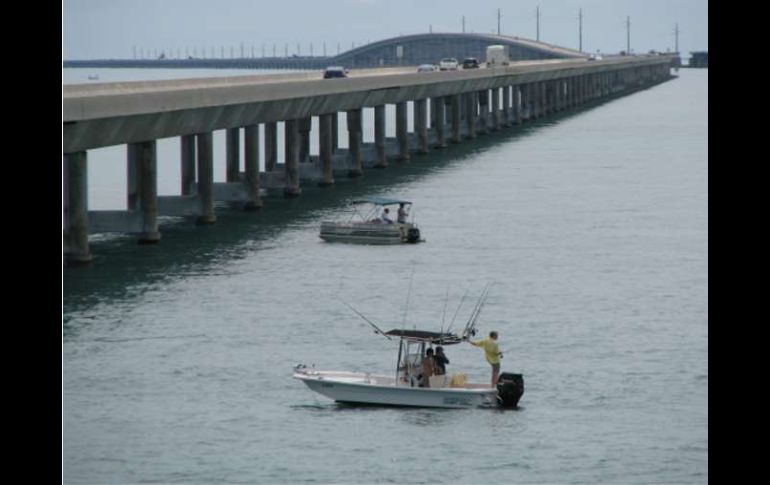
{"x":458,"y":310}
{"x":446,"y":300}
{"x":470,"y":326}
{"x":408,"y":294}
{"x":376,"y":328}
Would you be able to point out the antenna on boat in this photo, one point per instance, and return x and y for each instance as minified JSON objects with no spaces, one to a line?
{"x":376,"y":328}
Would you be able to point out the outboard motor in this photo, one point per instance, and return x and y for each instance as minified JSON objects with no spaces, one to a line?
{"x":510,"y":387}
{"x":413,"y":235}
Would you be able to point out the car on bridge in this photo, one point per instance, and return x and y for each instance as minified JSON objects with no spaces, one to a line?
{"x":427,"y":68}
{"x":470,"y":63}
{"x":334,"y":72}
{"x":448,"y":64}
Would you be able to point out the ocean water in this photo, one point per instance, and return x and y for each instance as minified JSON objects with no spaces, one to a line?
{"x":592,"y":227}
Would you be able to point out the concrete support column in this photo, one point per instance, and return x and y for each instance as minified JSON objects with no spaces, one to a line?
{"x":421,"y":124}
{"x":524,"y":102}
{"x":325,"y":146}
{"x":206,"y":178}
{"x":483,"y":128}
{"x":132,"y":177}
{"x":75,"y":175}
{"x":271,"y":146}
{"x":439,"y":115}
{"x":516,"y":103}
{"x":233,"y":150}
{"x":532,"y":101}
{"x":147,"y":164}
{"x":402,"y":131}
{"x":470,"y":113}
{"x":495,"y":109}
{"x":304,"y":126}
{"x":456,"y":119}
{"x":354,"y":142}
{"x":507,"y":106}
{"x":335,"y":132}
{"x":379,"y":136}
{"x":292,"y":151}
{"x":188,"y":164}
{"x":251,"y":162}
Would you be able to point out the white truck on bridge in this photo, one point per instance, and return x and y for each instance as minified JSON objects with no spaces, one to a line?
{"x":497,"y":55}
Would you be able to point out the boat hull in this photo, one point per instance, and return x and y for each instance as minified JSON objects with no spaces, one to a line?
{"x":369,"y":233}
{"x":382,"y":390}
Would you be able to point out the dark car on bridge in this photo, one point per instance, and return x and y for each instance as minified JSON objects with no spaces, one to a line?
{"x":470,"y":63}
{"x":335,"y":71}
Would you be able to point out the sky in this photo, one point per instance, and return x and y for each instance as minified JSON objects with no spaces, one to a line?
{"x":122,"y":29}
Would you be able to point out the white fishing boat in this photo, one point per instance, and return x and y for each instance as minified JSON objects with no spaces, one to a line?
{"x":407,"y":386}
{"x":370,"y":223}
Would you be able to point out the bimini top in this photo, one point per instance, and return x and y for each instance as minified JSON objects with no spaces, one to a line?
{"x":380,"y":201}
{"x":425,"y":336}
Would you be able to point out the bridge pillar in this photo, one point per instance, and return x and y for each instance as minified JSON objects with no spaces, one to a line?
{"x":335,"y":132}
{"x":507,"y":106}
{"x":75,"y":182}
{"x":304,"y":125}
{"x":233,"y":154}
{"x":483,"y":128}
{"x":251,"y":162}
{"x":456,"y":119}
{"x":402,"y":131}
{"x":354,"y":142}
{"x":421,"y":124}
{"x":187,"y":143}
{"x":326,"y":146}
{"x":495,"y":109}
{"x":205,"y":150}
{"x":516,"y":103}
{"x":291,"y":156}
{"x":379,"y":136}
{"x":271,"y":145}
{"x":438,"y":108}
{"x":470,"y":113}
{"x":147,"y":172}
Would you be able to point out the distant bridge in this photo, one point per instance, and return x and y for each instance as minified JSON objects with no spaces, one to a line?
{"x":407,"y":50}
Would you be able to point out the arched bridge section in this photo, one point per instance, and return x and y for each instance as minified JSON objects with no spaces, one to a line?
{"x":410,"y":50}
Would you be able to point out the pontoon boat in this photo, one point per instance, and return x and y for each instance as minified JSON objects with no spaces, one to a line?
{"x":367,"y":226}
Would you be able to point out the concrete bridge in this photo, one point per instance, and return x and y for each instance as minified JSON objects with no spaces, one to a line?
{"x":448,"y":107}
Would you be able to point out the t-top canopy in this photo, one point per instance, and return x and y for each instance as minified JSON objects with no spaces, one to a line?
{"x":423,"y":335}
{"x":380,"y":201}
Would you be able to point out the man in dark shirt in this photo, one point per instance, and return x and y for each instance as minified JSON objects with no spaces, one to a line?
{"x":441,"y":361}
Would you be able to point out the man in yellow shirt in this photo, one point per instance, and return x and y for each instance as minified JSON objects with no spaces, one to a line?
{"x":491,"y":352}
